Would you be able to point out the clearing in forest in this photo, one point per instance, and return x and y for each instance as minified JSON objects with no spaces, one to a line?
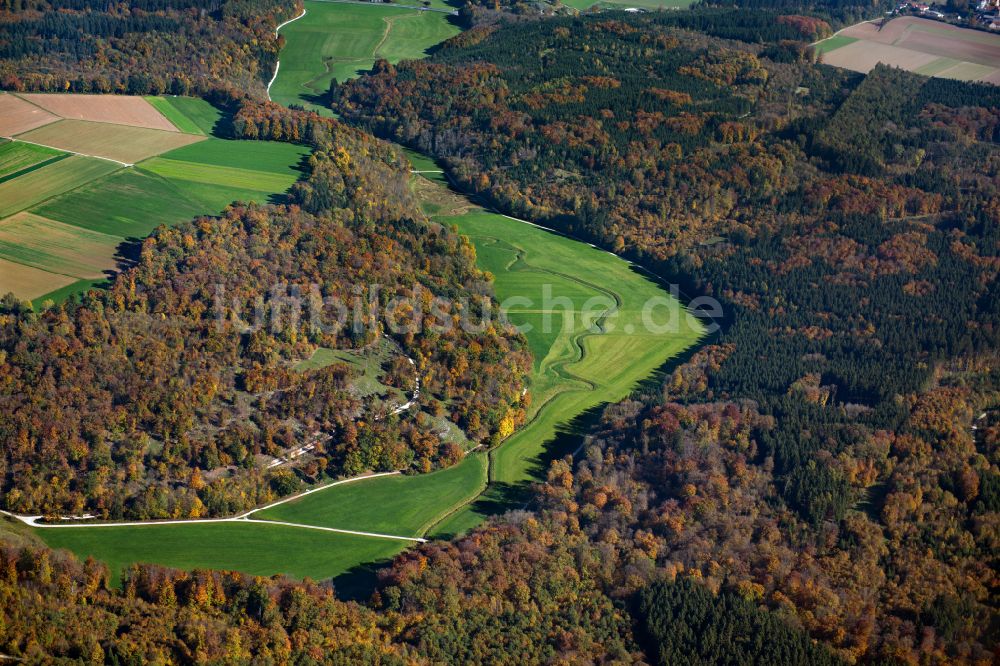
{"x":340,"y":40}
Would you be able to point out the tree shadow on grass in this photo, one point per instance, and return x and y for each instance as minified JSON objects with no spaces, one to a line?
{"x":358,"y":583}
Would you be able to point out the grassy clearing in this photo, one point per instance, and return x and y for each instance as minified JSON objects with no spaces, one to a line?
{"x":581,"y":361}
{"x":403,"y":505}
{"x":834,"y":43}
{"x":16,"y":156}
{"x":53,"y":179}
{"x":253,"y":548}
{"x":369,"y":364}
{"x":188,"y":114}
{"x":339,"y":40}
{"x":116,"y":142}
{"x":72,"y":289}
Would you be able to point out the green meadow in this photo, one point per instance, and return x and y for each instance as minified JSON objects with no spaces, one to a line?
{"x":340,"y":40}
{"x":253,"y":548}
{"x":589,"y":338}
{"x":38,"y":185}
{"x":834,"y":43}
{"x":401,"y":505}
{"x":188,"y":114}
{"x":17,"y":157}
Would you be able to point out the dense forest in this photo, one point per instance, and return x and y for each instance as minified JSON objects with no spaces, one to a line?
{"x":152,"y":47}
{"x":144,"y":402}
{"x":818,"y":457}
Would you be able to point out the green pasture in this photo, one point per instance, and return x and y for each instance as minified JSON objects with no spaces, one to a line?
{"x":130,"y":204}
{"x":264,"y":156}
{"x":253,"y":548}
{"x":834,"y":43}
{"x":36,"y":186}
{"x":401,"y":505}
{"x":188,"y":114}
{"x":588,"y":335}
{"x":341,"y":40}
{"x":17,"y":157}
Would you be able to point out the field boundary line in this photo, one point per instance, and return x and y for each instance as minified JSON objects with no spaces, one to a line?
{"x":32,"y":521}
{"x":277,"y":63}
{"x":377,"y":535}
{"x":341,"y":482}
{"x":71,"y":152}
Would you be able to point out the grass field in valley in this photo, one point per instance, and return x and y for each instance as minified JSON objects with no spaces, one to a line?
{"x":340,"y":40}
{"x":580,"y":362}
{"x":403,"y":505}
{"x":578,"y":367}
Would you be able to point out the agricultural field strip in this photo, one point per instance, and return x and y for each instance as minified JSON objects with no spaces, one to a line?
{"x":38,"y":181}
{"x":122,"y":110}
{"x":33,"y":521}
{"x":72,"y":152}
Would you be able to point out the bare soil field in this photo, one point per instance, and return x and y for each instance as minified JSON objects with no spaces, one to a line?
{"x":18,"y":116}
{"x":28,"y":282}
{"x":862,"y":56}
{"x":919,"y":45}
{"x":115,"y":109}
{"x":115,"y":142}
{"x":52,"y":246}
